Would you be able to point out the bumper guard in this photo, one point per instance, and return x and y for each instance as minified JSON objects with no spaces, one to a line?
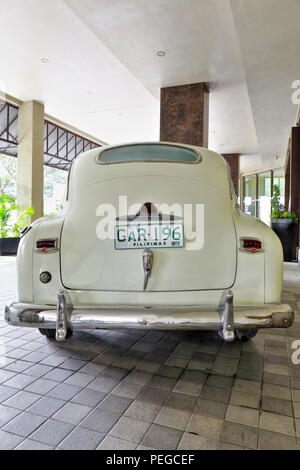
{"x":223,"y":318}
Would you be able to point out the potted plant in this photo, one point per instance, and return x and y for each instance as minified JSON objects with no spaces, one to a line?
{"x":11,"y":224}
{"x":283,"y":224}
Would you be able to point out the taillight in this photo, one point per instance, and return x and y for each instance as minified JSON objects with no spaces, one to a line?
{"x":47,"y":245}
{"x":250,"y":245}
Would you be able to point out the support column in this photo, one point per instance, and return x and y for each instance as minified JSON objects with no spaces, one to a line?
{"x":30,"y":169}
{"x":287,"y":184}
{"x":294,"y":179}
{"x":233,"y":160}
{"x":184,"y":114}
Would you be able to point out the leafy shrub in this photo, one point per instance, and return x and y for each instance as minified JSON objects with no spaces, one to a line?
{"x":278,"y":209}
{"x":9,"y":210}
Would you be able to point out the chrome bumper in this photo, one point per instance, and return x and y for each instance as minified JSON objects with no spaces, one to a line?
{"x":224,"y":318}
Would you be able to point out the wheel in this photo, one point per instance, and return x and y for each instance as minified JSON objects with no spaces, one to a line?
{"x":50,"y":333}
{"x":245,"y":335}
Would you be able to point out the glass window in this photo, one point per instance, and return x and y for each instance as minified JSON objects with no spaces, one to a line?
{"x":279,"y":180}
{"x":250,"y":195}
{"x":264,"y":197}
{"x":258,"y":191}
{"x":149,"y":152}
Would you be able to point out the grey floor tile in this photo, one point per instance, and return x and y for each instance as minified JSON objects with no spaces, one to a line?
{"x":88,"y":397}
{"x":192,"y":442}
{"x":52,"y":432}
{"x":7,"y":414}
{"x":138,"y":377}
{"x":219,"y":381}
{"x":73,"y":364}
{"x":114,"y":443}
{"x":79,"y":379}
{"x":162,"y":437}
{"x":115,"y":404}
{"x":191,"y":383}
{"x":240,"y":434}
{"x":242,"y":415}
{"x":7,"y":392}
{"x":46,"y":406}
{"x":282,"y":424}
{"x":152,"y":395}
{"x":163,"y":383}
{"x":250,"y":400}
{"x":171,"y":372}
{"x":100,"y":420}
{"x":277,"y":405}
{"x":142,"y":410}
{"x":248,"y":386}
{"x":28,"y":444}
{"x":211,"y":408}
{"x":20,"y":381}
{"x":215,"y":394}
{"x":277,"y":391}
{"x":18,"y":366}
{"x":72,"y":413}
{"x":34,"y":356}
{"x":274,"y":441}
{"x":54,"y":360}
{"x":127,"y":389}
{"x":24,"y":424}
{"x":82,"y":439}
{"x":64,"y":391}
{"x":38,"y":370}
{"x":103,"y":384}
{"x":22,"y":400}
{"x":205,"y":426}
{"x":9,"y":441}
{"x":132,"y":429}
{"x":58,"y":374}
{"x":41,"y":386}
{"x":91,"y":368}
{"x":173,"y":418}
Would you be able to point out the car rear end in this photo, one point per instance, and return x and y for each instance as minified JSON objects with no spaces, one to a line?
{"x":150,"y":237}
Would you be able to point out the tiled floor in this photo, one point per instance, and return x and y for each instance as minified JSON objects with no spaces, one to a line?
{"x":148,"y":390}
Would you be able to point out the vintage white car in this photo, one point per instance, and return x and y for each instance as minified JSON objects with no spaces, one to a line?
{"x":150,"y":236}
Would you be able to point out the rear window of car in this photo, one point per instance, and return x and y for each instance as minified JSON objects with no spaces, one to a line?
{"x":148,"y":153}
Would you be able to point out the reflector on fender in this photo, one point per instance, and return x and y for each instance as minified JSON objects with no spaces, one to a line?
{"x":47,"y":245}
{"x":250,"y":245}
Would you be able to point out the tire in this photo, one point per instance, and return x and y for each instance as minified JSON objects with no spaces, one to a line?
{"x":245,"y":335}
{"x":241,"y":335}
{"x":50,"y":333}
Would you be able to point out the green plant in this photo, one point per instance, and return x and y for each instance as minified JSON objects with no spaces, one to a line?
{"x":278,"y":209}
{"x":8,"y":212}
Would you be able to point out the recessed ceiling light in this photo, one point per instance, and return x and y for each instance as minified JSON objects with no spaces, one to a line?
{"x":161,"y":53}
{"x":44,"y":60}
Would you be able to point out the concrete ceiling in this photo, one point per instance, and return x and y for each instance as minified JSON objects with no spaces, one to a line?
{"x":104,"y":76}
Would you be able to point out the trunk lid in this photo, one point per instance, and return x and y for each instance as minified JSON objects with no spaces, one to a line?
{"x":88,"y":263}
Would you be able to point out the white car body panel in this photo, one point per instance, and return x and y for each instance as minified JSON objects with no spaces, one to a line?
{"x":96,"y":275}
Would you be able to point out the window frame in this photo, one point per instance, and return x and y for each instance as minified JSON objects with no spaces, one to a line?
{"x":196,"y":152}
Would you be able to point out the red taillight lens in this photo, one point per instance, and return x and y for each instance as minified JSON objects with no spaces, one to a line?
{"x":47,"y":245}
{"x":251,"y":245}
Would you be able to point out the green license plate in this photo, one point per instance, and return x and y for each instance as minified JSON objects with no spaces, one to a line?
{"x":148,"y":236}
